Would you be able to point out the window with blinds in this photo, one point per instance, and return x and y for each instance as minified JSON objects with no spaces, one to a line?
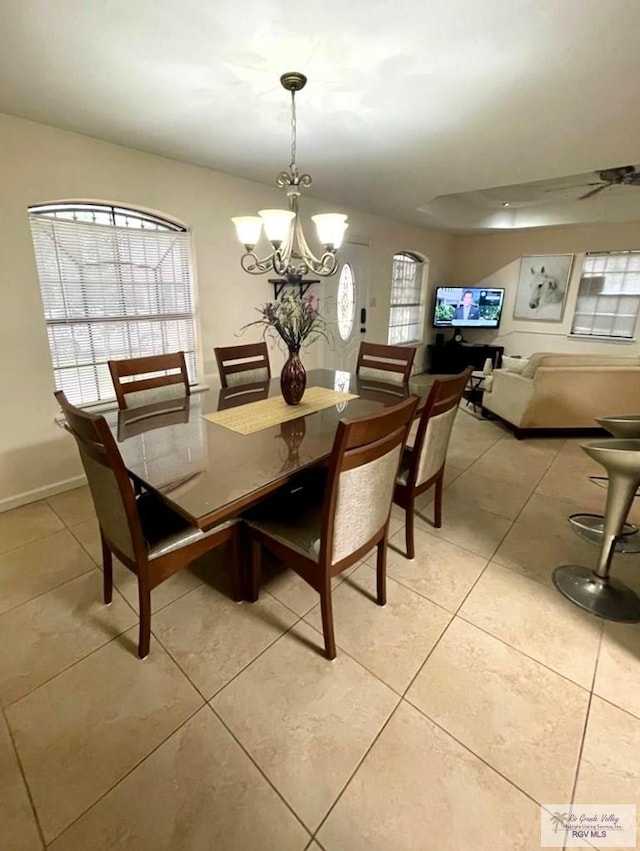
{"x":115,"y":284}
{"x":406,"y":314}
{"x":609,"y":296}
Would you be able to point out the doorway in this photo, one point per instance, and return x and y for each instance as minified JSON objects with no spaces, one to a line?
{"x":346,"y":306}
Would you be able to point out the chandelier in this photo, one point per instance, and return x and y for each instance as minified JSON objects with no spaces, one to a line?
{"x":290,"y":254}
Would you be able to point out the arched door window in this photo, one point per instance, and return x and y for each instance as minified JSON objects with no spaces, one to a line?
{"x":346,"y":302}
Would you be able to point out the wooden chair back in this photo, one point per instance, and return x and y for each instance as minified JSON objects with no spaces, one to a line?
{"x":362,"y":472}
{"x":164,"y":377}
{"x":376,"y":358}
{"x":434,"y":429}
{"x":111,"y":490}
{"x":243,"y":364}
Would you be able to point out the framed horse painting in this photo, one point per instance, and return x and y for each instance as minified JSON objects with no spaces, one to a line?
{"x":542,"y":287}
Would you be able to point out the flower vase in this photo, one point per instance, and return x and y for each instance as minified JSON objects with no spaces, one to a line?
{"x":293,"y":378}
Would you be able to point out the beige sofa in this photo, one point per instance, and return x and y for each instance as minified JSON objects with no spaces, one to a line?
{"x":556,"y":391}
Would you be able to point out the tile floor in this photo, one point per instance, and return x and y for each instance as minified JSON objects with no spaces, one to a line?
{"x":475,"y":695}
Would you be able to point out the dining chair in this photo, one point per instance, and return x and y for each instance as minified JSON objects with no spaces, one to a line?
{"x":376,"y":360}
{"x":243,"y":364}
{"x":164,"y":377}
{"x":321,"y":531}
{"x":422,"y":464}
{"x":143,"y":532}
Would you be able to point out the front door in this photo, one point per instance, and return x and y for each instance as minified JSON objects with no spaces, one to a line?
{"x":345,"y":307}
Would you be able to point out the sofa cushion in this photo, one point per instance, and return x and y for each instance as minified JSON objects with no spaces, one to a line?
{"x":550,"y":359}
{"x":512,"y":364}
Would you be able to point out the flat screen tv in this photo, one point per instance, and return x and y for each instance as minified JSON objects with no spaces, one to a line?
{"x":468,"y":307}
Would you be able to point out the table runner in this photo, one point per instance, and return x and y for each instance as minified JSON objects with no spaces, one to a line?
{"x":256,"y":416}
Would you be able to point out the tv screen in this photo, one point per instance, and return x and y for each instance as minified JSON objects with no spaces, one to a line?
{"x":468,"y":307}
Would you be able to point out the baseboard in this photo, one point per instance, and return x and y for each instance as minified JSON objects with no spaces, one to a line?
{"x":546,"y":431}
{"x":41,"y":493}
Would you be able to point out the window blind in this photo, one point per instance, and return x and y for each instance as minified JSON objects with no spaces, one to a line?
{"x":111,"y":292}
{"x":609,"y":296}
{"x":407,"y":301}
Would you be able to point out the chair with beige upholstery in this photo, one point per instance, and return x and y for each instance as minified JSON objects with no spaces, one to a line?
{"x":319,"y":532}
{"x":243,"y":364}
{"x":143,"y":532}
{"x":388,"y":363}
{"x":423,"y":464}
{"x":164,"y":377}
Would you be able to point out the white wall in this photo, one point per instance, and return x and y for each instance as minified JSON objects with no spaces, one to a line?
{"x":494,"y":260}
{"x":41,"y":164}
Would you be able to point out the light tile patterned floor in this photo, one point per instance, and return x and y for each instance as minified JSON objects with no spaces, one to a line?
{"x":476,"y":694}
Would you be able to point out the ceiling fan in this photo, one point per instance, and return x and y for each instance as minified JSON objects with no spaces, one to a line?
{"x":624,"y":175}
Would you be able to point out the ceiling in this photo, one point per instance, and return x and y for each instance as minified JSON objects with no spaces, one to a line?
{"x":414,"y":110}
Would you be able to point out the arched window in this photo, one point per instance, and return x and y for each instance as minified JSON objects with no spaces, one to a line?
{"x":115,"y":283}
{"x":406,"y":314}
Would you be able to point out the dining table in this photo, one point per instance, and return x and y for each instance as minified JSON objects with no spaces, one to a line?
{"x":210,"y":473}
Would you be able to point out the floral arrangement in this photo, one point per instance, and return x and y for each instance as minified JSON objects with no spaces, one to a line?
{"x":295,"y":318}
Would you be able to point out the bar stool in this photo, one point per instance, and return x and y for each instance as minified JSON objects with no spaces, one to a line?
{"x":621,"y":426}
{"x":595,"y":590}
{"x":591,"y":526}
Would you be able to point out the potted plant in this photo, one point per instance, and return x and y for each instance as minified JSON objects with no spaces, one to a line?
{"x":295,"y":319}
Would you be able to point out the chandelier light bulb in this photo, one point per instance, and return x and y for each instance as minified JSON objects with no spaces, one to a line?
{"x":248,"y":229}
{"x":277,"y":224}
{"x":330,"y":228}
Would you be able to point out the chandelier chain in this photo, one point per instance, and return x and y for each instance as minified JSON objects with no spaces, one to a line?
{"x":294,"y":167}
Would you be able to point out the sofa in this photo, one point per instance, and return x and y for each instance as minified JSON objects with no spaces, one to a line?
{"x":558,"y":391}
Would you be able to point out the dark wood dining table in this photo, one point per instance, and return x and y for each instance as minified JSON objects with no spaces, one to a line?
{"x":209,"y":473}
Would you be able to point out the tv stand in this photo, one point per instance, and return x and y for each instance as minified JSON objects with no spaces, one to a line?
{"x":453,"y":357}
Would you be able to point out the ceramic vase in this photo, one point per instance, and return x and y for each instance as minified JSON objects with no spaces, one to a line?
{"x":293,"y":378}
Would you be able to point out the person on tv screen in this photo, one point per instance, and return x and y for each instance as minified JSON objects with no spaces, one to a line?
{"x":467,"y":309}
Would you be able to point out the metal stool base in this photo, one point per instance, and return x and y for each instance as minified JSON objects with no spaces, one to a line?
{"x":603,"y":482}
{"x":611,"y":600}
{"x":591,"y":528}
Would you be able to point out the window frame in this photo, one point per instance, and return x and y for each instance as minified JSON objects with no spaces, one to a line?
{"x":112,"y":210}
{"x":595,"y":267}
{"x":137,"y":331}
{"x":421,"y":264}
